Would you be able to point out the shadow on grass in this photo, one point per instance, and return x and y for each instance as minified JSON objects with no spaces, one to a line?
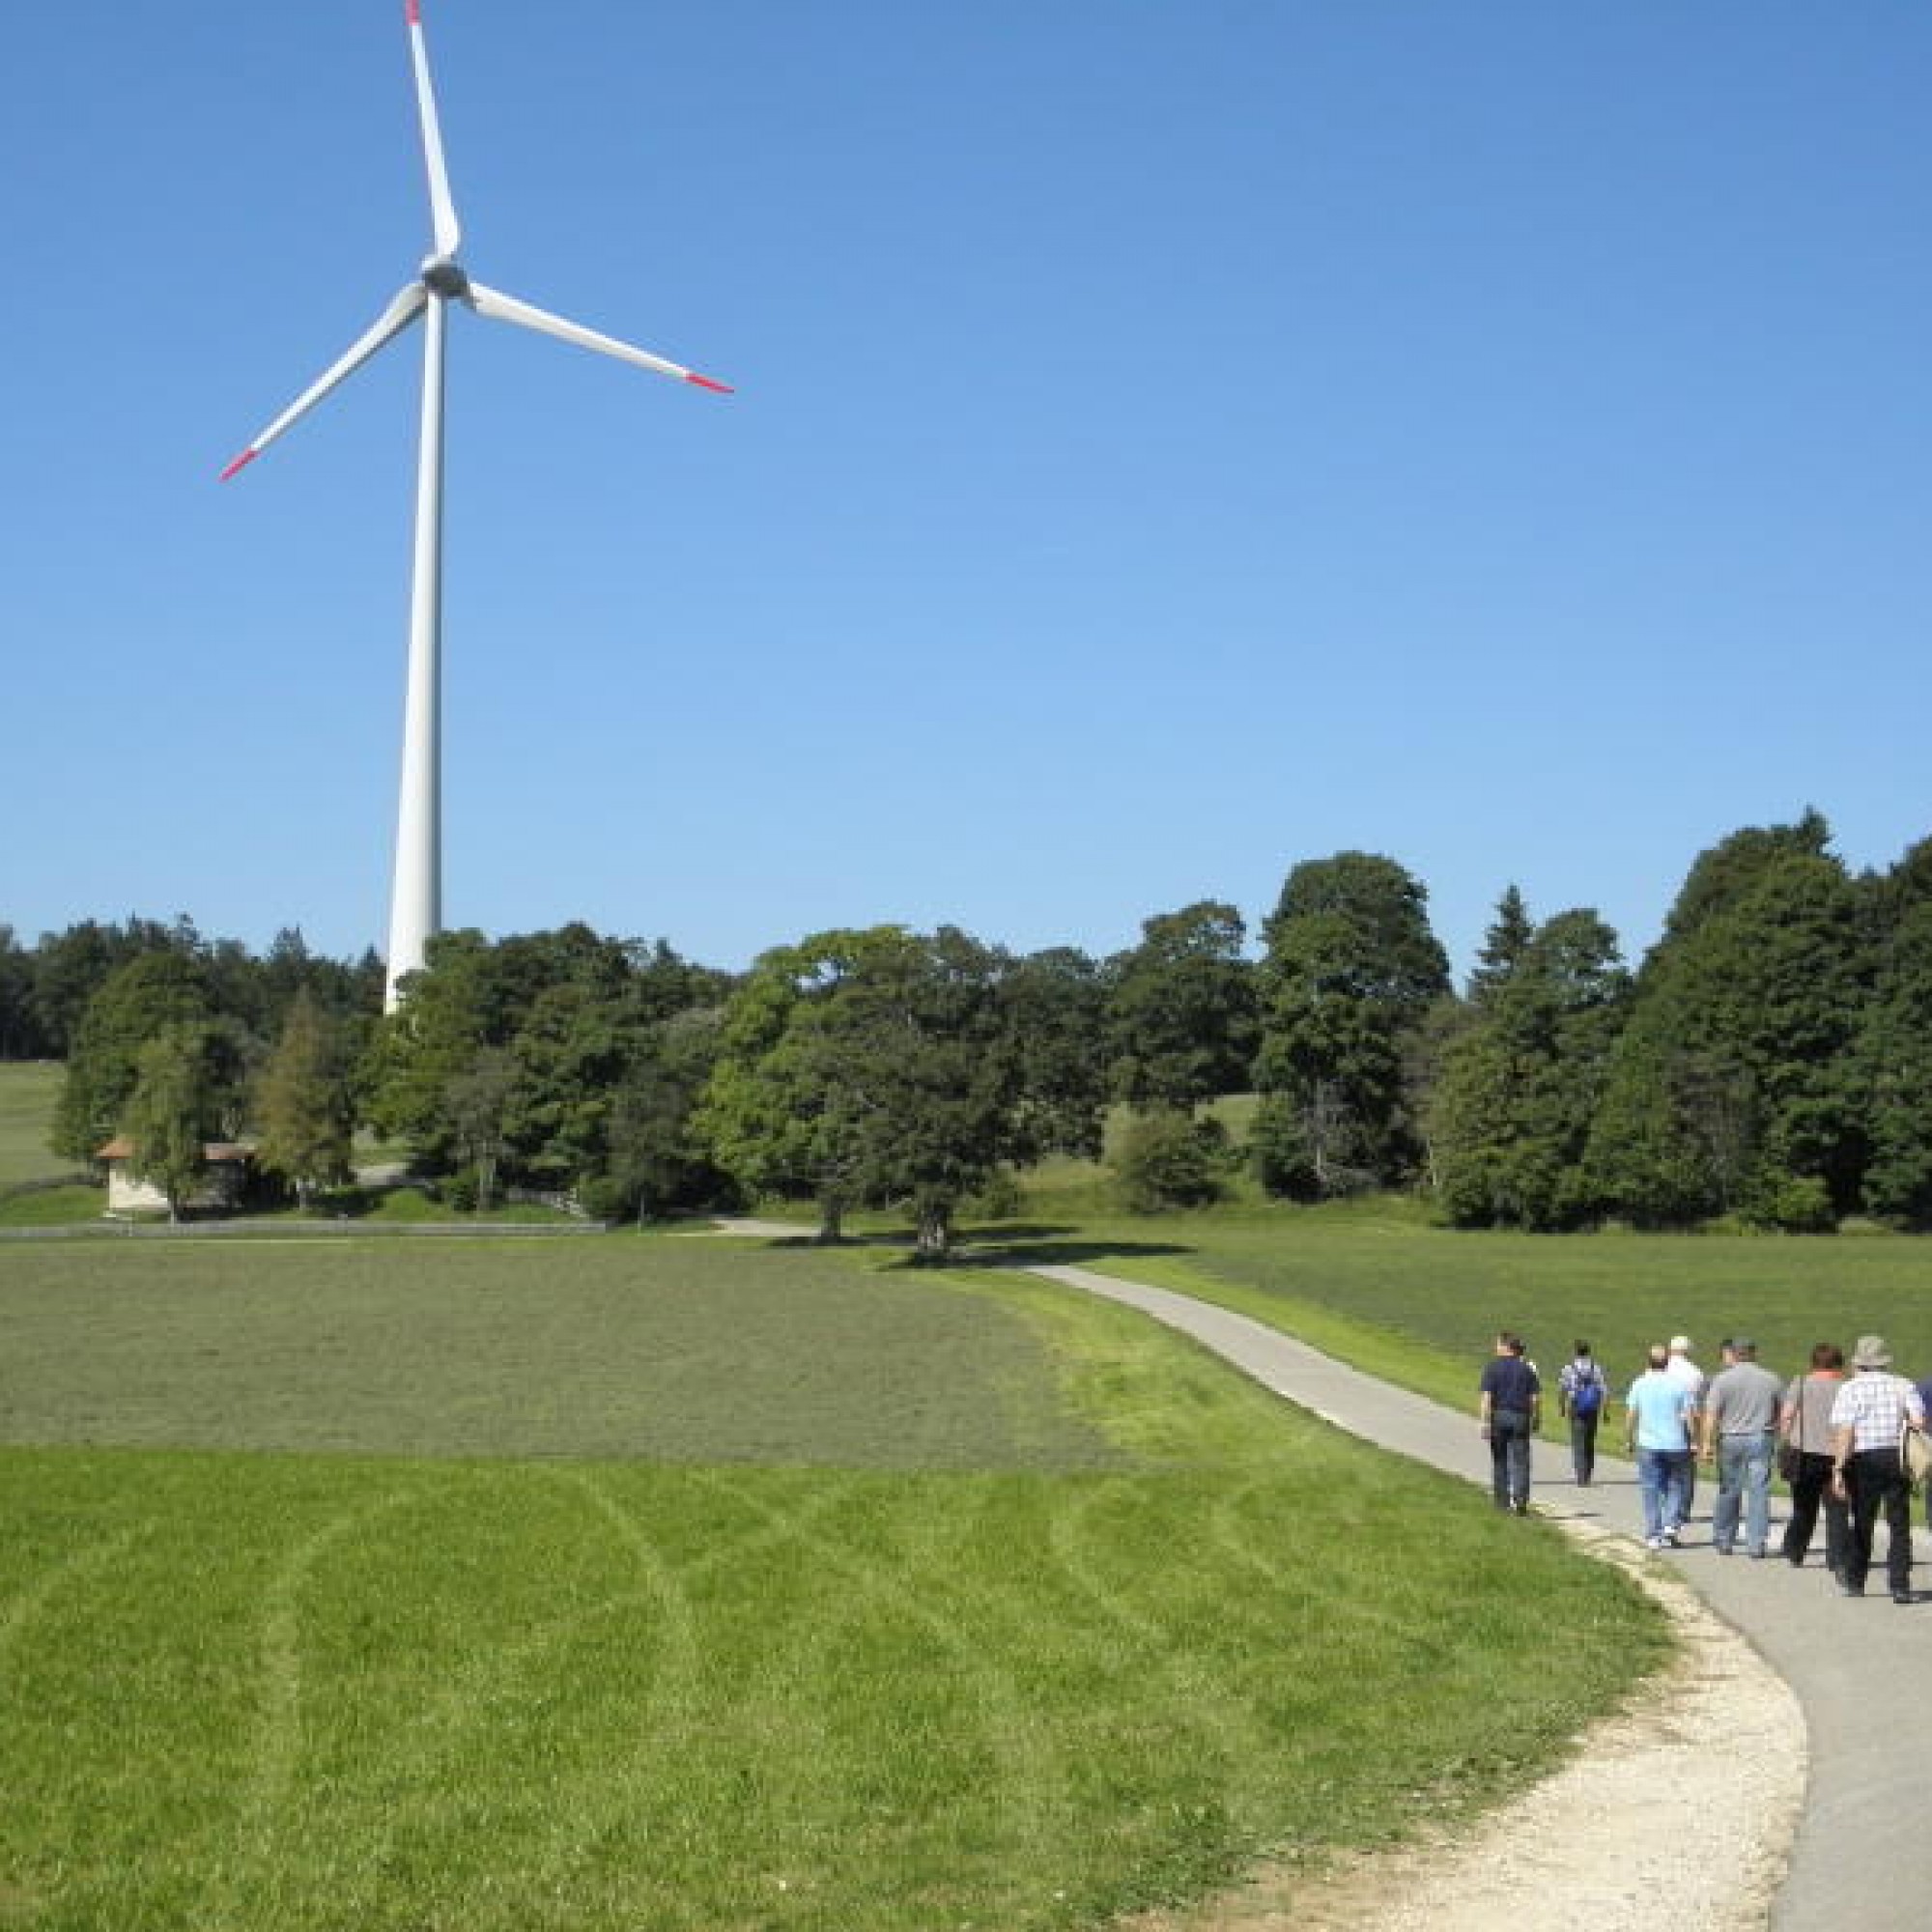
{"x":1028,"y":1247}
{"x":1064,"y":1253}
{"x":993,"y":1244}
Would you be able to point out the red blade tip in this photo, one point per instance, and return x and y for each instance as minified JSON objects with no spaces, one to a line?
{"x":242,"y":462}
{"x":707,"y":382}
{"x":412,"y":12}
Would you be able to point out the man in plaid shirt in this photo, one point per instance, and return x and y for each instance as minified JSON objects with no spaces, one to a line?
{"x":1869,"y":1415}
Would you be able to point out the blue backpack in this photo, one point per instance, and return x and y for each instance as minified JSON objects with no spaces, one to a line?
{"x":1586,"y":1393}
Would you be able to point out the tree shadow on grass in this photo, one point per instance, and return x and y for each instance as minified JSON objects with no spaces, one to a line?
{"x":1028,"y":1245}
{"x":992,"y":1244}
{"x":1074,"y":1253}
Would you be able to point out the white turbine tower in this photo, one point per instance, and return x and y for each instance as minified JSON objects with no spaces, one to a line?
{"x":415,"y":906}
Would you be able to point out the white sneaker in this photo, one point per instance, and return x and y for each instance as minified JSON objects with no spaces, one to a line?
{"x":1652,"y":1542}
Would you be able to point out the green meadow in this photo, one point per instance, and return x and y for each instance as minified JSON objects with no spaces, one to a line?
{"x":29,"y":1090}
{"x":663,"y":1583}
{"x":660,"y":1582}
{"x":1374,"y":1283}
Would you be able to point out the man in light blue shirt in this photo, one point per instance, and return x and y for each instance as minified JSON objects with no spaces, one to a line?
{"x":1657,"y":1426}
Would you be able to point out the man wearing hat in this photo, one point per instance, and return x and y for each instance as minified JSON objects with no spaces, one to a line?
{"x":1870,"y":1413}
{"x":1740,"y":1433}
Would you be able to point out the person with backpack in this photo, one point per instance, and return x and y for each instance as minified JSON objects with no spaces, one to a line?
{"x":1580,"y":1392}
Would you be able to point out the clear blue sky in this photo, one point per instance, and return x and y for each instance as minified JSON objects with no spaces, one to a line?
{"x":1171,"y":442}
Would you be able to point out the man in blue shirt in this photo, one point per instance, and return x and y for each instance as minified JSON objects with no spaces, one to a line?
{"x":1510,"y":1402}
{"x":1657,"y":1426}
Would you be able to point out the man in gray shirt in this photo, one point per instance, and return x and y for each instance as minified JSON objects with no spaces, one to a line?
{"x":1740,"y":1433}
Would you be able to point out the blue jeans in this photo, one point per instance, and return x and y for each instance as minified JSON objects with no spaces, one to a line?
{"x":1660,"y":1481}
{"x":1509,"y":1457}
{"x":1743,"y":1479}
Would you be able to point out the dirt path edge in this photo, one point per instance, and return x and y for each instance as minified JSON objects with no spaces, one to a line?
{"x":1684,"y":1802}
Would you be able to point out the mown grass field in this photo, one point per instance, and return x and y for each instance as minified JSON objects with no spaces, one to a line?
{"x":649,"y":1582}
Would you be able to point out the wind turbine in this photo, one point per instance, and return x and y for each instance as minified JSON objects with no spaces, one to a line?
{"x":416,"y":905}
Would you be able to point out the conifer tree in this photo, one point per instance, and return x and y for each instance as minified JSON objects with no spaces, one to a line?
{"x":1734,"y":1089}
{"x":1503,"y":946}
{"x":1513,"y":1113}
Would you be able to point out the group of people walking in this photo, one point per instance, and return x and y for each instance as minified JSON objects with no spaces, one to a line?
{"x":1841,"y":1442}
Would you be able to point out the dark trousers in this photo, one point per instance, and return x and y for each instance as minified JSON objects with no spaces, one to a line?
{"x":1509,"y":1457}
{"x":1584,"y":1444}
{"x":1877,"y":1484}
{"x":1811,"y":1489}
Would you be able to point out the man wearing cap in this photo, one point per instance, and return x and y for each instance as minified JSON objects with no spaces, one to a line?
{"x":1691,"y":1378}
{"x":1740,"y":1433}
{"x":1868,"y":1416}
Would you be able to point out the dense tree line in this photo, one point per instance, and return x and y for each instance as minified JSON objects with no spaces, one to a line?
{"x":1769,"y":1060}
{"x":46,"y":988}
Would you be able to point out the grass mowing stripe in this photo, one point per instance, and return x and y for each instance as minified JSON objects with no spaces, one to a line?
{"x":1147,"y":1624}
{"x":985,"y":1691}
{"x":268,"y":1785}
{"x":37,"y":1598}
{"x":660,"y":1578}
{"x":1153,"y":1644}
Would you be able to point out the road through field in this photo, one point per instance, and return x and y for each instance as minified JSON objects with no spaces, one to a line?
{"x":1860,"y":1668}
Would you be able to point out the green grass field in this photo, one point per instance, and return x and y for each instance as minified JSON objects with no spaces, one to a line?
{"x":28,"y":1092}
{"x":1374,"y":1283}
{"x":653,"y":1582}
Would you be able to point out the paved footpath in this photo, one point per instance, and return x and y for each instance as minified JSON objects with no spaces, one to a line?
{"x":1861,"y":1670}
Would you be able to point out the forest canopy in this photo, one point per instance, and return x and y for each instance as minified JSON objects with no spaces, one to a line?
{"x":1769,"y":1060}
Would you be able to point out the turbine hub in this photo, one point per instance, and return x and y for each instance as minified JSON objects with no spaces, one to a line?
{"x":442,"y":277}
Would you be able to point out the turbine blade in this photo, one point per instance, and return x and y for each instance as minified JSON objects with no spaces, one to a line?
{"x":442,"y":207}
{"x":501,"y":307}
{"x":397,"y":317}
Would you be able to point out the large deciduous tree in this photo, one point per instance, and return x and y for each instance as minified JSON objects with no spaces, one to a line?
{"x":136,"y":1002}
{"x":302,"y":1104}
{"x":657,"y":1161}
{"x":887,"y":1066}
{"x":763,"y":1113}
{"x":570,"y":1013}
{"x":172,"y":1108}
{"x":1185,"y":1021}
{"x":1350,"y":973}
{"x":476,"y":1106}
